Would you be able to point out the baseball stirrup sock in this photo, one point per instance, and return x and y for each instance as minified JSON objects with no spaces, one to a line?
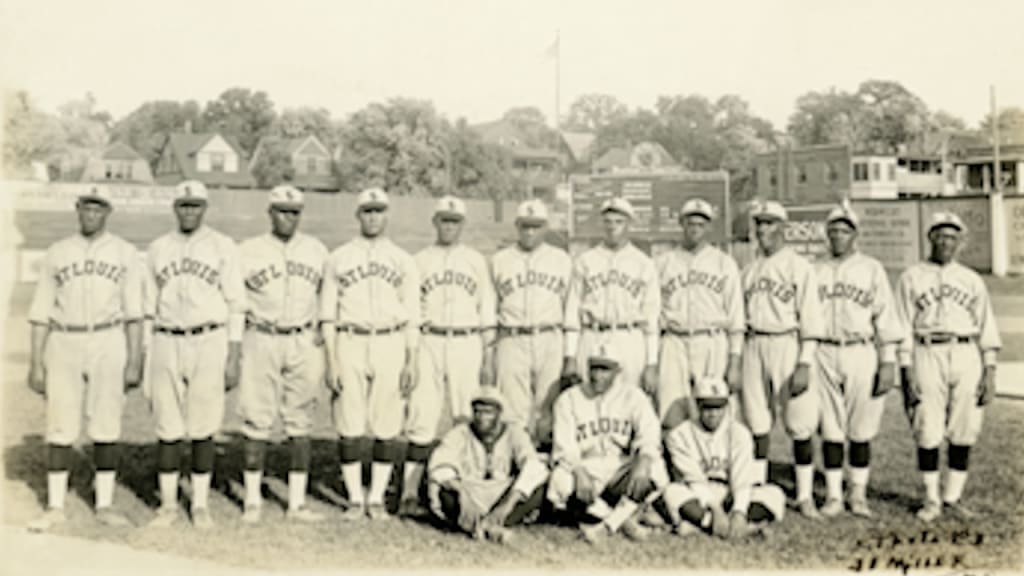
{"x":203,"y":453}
{"x":301,"y":453}
{"x":255,"y":454}
{"x":599,"y":508}
{"x":759,"y":513}
{"x":691,"y":511}
{"x":56,"y":488}
{"x":58,"y":458}
{"x":168,"y":456}
{"x":297,"y":482}
{"x":860,"y":454}
{"x":622,"y":512}
{"x":832,"y":455}
{"x":350,"y":450}
{"x":928,"y":459}
{"x":959,"y":457}
{"x":104,"y":456}
{"x":803,"y":452}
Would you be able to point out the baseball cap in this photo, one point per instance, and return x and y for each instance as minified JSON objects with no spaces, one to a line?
{"x":711,"y":391}
{"x":769,"y":210}
{"x":96,"y":192}
{"x":532,"y":211}
{"x":842,"y":213}
{"x":450,"y":206}
{"x":372,"y":198}
{"x":286,"y":196}
{"x":940,"y":219}
{"x":190,"y":191}
{"x":489,"y":395}
{"x":601,"y":357}
{"x":620,"y":205}
{"x":699,"y":207}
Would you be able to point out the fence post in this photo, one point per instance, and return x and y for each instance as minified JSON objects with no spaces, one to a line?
{"x":999,"y":239}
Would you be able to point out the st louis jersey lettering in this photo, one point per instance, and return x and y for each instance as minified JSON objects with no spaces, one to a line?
{"x":531,"y":286}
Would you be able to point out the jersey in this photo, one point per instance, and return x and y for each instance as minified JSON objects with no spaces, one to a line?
{"x":619,"y":423}
{"x":195,"y":279}
{"x":283,"y":279}
{"x":455,"y":287}
{"x":89,"y":282}
{"x":461,"y":454}
{"x":780,"y":294}
{"x":701,"y":291}
{"x":724,"y":455}
{"x":531,"y":286}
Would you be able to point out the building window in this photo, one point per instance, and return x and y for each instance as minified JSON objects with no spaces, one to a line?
{"x":876,"y":171}
{"x":216,"y":162}
{"x":831,"y":174}
{"x":801,"y":174}
{"x":892,"y":172}
{"x":311,"y":165}
{"x":773,"y":180}
{"x":860,"y":172}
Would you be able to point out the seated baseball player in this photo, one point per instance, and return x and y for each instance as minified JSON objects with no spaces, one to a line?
{"x":607,"y":452}
{"x":485,"y":474}
{"x":712,"y":458}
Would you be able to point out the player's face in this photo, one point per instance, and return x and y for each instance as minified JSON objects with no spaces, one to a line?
{"x":92,"y":216}
{"x":601,"y":378}
{"x":769,"y":233}
{"x":372,"y":221}
{"x":449,"y":229}
{"x":840,"y":237}
{"x":711,"y":416}
{"x":285,"y":220}
{"x":485,"y":417}
{"x":190,"y":215}
{"x":616,"y":226}
{"x":531,"y":234}
{"x":695,"y":229}
{"x":945,"y":242}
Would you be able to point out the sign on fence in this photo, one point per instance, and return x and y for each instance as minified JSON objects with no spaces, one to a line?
{"x":976,"y":251}
{"x":1013,"y":207}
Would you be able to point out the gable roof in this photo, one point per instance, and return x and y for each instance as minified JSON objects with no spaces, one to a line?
{"x":120,"y":151}
{"x":579,"y":144}
{"x":184,"y":147}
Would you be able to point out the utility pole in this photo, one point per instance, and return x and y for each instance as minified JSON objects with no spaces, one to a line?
{"x":997,"y":173}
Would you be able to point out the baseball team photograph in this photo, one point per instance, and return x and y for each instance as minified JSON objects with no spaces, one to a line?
{"x":372,"y":336}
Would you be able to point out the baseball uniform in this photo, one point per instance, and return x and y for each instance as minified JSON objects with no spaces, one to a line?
{"x":89,"y":289}
{"x":531,"y":289}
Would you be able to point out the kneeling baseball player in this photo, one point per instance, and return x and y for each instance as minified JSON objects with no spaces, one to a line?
{"x":485,"y":475}
{"x":607,"y":451}
{"x":716,"y":486}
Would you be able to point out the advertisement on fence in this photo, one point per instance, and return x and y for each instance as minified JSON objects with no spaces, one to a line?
{"x":1014,"y":210}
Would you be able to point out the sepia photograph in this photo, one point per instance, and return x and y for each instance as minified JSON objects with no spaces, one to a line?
{"x":320,"y":287}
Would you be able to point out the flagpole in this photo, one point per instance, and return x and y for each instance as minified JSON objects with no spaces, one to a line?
{"x":558,"y":77}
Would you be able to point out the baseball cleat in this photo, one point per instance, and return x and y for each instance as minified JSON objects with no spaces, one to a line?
{"x":353,"y":512}
{"x":958,"y":511}
{"x":202,"y":519}
{"x":930,"y":511}
{"x":166,"y":516}
{"x":595,"y":533}
{"x":112,"y":518}
{"x":634,"y":531}
{"x":498,"y":534}
{"x":304,"y":514}
{"x":808,"y":509}
{"x":833,"y":507}
{"x":252,"y":514}
{"x":412,"y":509}
{"x":49,"y":520}
{"x":376,"y":511}
{"x":859,"y":507}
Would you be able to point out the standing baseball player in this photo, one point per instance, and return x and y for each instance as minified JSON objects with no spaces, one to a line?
{"x":702,"y":320}
{"x":947,"y":361}
{"x":531,"y":280}
{"x":716,"y":487}
{"x":485,"y":475}
{"x":86,"y":345}
{"x":282,"y":352}
{"x":455,"y":352}
{"x":783,"y":324}
{"x":196,"y":299}
{"x":370,"y":310}
{"x":614,"y":299}
{"x":855,"y":363}
{"x":607,"y":451}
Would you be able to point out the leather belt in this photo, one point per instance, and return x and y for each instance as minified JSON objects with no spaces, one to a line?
{"x":269,"y":328}
{"x":191,"y":331}
{"x":527,"y":330}
{"x":848,"y":342}
{"x":755,"y":332}
{"x":689,"y":333}
{"x":929,"y":339}
{"x":361,"y":331}
{"x":608,"y":327}
{"x":442,"y":331}
{"x":84,"y":327}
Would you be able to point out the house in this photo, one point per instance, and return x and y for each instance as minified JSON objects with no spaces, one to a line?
{"x":119,"y":162}
{"x":312,"y":161}
{"x":650,"y":157}
{"x":211,"y":158}
{"x":973,"y":159}
{"x":540,"y":166}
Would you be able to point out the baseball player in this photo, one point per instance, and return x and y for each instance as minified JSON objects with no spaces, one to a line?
{"x":370,"y":309}
{"x":282,"y":352}
{"x":855,"y":363}
{"x":783,"y":324}
{"x":614,"y":299}
{"x":716,"y":487}
{"x":531,"y":280}
{"x":455,"y":352}
{"x":947,"y":361}
{"x":485,"y":475}
{"x":702,"y":320}
{"x":607,"y":446}
{"x":195,"y":300}
{"x":86,"y":345}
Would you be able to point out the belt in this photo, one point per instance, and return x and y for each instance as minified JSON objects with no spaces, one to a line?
{"x":688,"y":333}
{"x":442,"y":331}
{"x":84,"y":327}
{"x":606,"y":327}
{"x":755,"y":332}
{"x":929,"y":339}
{"x":359,"y":330}
{"x":191,"y":331}
{"x":269,"y":328}
{"x":849,"y":342}
{"x":527,"y":330}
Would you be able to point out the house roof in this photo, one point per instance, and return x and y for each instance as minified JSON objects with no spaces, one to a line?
{"x":501,"y":132}
{"x":120,"y":151}
{"x":184,"y":146}
{"x":579,"y":144}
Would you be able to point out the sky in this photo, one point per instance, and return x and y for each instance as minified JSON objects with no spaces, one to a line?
{"x":476,"y":59}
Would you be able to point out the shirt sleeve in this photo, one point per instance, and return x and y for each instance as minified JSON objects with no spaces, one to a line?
{"x":904,"y":312}
{"x":444,"y":461}
{"x":487,"y":300}
{"x":648,"y":428}
{"x":651,"y":311}
{"x":328,"y":292}
{"x":233,"y":288}
{"x":565,"y":450}
{"x":572,"y":308}
{"x":532,"y":470}
{"x":732,"y":293}
{"x":809,"y":309}
{"x":411,"y":301}
{"x":988,"y":339}
{"x":45,"y":296}
{"x":133,"y":286}
{"x":684,"y":456}
{"x":884,"y":316}
{"x":741,"y":458}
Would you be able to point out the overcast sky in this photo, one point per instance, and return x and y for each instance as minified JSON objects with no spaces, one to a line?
{"x":477,"y":59}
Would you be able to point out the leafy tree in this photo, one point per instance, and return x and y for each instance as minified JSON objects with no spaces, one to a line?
{"x":832,"y":117}
{"x":531,"y":122}
{"x":300,"y":122}
{"x":147,"y":127}
{"x":242,"y":114}
{"x":1011,"y":120}
{"x":640,"y":126}
{"x":895,"y":116}
{"x":591,"y":112}
{"x":29,"y":134}
{"x":480,"y":169}
{"x":274,"y":164}
{"x":942,"y":121}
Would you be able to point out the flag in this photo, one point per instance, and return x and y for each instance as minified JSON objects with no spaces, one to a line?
{"x":555,"y":48}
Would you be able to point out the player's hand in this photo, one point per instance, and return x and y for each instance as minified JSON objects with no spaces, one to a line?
{"x":719,"y":522}
{"x":500,"y":513}
{"x":640,"y":480}
{"x":332,"y":374}
{"x":911,"y":397}
{"x":885,"y":379}
{"x":734,"y":373}
{"x":585,"y":491}
{"x":800,"y":380}
{"x":434,"y":500}
{"x":407,"y":380}
{"x":737,"y":525}
{"x":37,"y":378}
{"x":133,"y":374}
{"x":649,"y":379}
{"x":987,"y":386}
{"x":233,"y":369}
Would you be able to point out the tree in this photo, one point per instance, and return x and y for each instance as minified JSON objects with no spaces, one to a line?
{"x":29,"y":134}
{"x":242,"y":114}
{"x":895,"y":116}
{"x":301,"y":122}
{"x":832,"y":117}
{"x":480,"y":169}
{"x":274,"y":164}
{"x":942,"y":121}
{"x":640,"y":126}
{"x":530,"y":121}
{"x":591,"y":112}
{"x":1011,"y":121}
{"x":147,"y":127}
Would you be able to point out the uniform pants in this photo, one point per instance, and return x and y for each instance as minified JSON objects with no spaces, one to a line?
{"x":528,"y":368}
{"x":768,"y":365}
{"x":846,"y":380}
{"x":448,"y":378}
{"x":610,"y":476}
{"x":89,"y":367}
{"x":627,"y":347}
{"x":281,"y":374}
{"x":187,"y":384}
{"x":481,"y":496}
{"x":683,"y":361}
{"x":768,"y":495}
{"x":370,"y":402}
{"x":947,"y":376}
